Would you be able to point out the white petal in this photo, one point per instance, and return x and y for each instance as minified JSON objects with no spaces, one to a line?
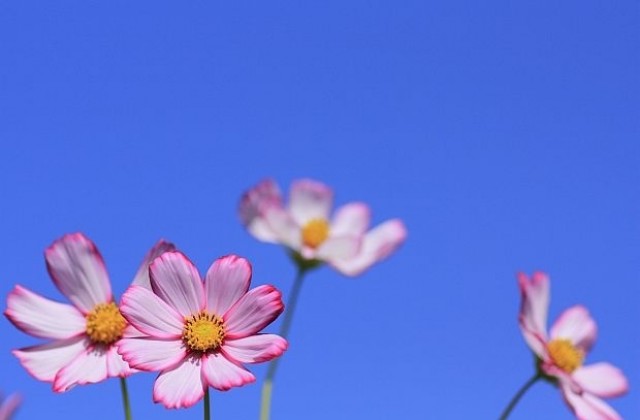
{"x":256,"y":348}
{"x":142,"y":276}
{"x":152,"y":354}
{"x":227,"y":281}
{"x":309,"y":200}
{"x":150,"y":314}
{"x":88,"y":367}
{"x":602,"y":379}
{"x":44,"y":361}
{"x":351,"y":220}
{"x":534,"y":306}
{"x":576,"y":324}
{"x":180,"y":387}
{"x":223,"y":374}
{"x":254,"y":311}
{"x":253,"y":205}
{"x":176,"y":281}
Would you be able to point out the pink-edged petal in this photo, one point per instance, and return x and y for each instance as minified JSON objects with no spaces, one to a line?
{"x":589,"y":407}
{"x":534,"y":307}
{"x":222,"y":374}
{"x":9,"y":406}
{"x":176,"y":281}
{"x":42,"y":317}
{"x":309,"y":200}
{"x":150,"y":314}
{"x":180,"y":387}
{"x":285,"y":229}
{"x":253,"y":205}
{"x":227,"y":281}
{"x":152,"y":354}
{"x":351,"y":219}
{"x":116,"y":365}
{"x":44,"y":361}
{"x":77,"y":269}
{"x":576,"y":324}
{"x":377,"y":245}
{"x":254,"y":311}
{"x":89,"y":367}
{"x":142,"y":276}
{"x":255,"y":348}
{"x":602,"y":379}
{"x":337,"y":248}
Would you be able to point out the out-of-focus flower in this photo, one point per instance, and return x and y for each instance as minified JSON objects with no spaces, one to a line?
{"x":562,"y":352}
{"x":9,"y":406}
{"x":199,"y":334}
{"x":306,"y":226}
{"x":84,"y":333}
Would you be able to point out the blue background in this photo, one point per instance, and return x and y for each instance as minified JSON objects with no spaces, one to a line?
{"x":505,"y":135}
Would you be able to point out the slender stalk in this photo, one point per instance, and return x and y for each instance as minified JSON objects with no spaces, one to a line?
{"x":519,"y":395}
{"x":125,"y":399}
{"x":207,"y":406}
{"x":267,"y":386}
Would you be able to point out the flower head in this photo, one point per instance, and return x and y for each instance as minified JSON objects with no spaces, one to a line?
{"x":199,"y":333}
{"x":9,"y":406}
{"x":84,"y":334}
{"x":562,"y":352}
{"x":307,"y":227}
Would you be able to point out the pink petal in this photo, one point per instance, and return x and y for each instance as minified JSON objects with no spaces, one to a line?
{"x":255,"y":348}
{"x":44,"y":361}
{"x":285,"y":229}
{"x":152,"y":354}
{"x":533,"y":311}
{"x":602,"y":379}
{"x":42,"y":317}
{"x":377,"y":245}
{"x":351,"y":219}
{"x":308,"y":200}
{"x":77,"y":269}
{"x":9,"y":406}
{"x":589,"y":407}
{"x":180,"y":387}
{"x":252,"y":208}
{"x":150,"y":314}
{"x":227,"y":281}
{"x":576,"y":324}
{"x":338,"y":248}
{"x":254,"y":311}
{"x":88,"y":367}
{"x":176,"y":281}
{"x":142,"y":276}
{"x":223,"y":374}
{"x":116,"y":366}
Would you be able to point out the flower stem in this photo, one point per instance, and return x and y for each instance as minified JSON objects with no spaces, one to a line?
{"x":207,"y":406}
{"x":125,"y":399}
{"x":519,"y":395}
{"x":265,"y":406}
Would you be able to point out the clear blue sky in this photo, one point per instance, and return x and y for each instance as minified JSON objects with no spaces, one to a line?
{"x":505,"y":134}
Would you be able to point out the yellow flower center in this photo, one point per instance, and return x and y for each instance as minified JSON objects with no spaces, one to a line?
{"x":105,"y":324}
{"x":565,"y":355}
{"x":203,"y":332}
{"x":315,"y":232}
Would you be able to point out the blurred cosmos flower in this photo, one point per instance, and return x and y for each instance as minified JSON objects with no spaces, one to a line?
{"x":9,"y":406}
{"x":83,"y":334}
{"x":561,"y":353}
{"x":306,"y":227}
{"x":199,"y":334}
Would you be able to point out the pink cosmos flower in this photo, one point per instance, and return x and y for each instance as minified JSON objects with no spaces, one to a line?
{"x":306,"y":227}
{"x":199,"y":334}
{"x":561,"y":353}
{"x":83,"y":335}
{"x":9,"y":406}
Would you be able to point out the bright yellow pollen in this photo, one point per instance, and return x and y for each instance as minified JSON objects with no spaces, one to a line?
{"x":565,"y":355}
{"x":203,"y":332}
{"x":105,"y":324}
{"x":315,"y":232}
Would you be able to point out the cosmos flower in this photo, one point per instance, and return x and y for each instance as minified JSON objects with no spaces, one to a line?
{"x":306,"y":226}
{"x":562,"y":352}
{"x":83,"y":335}
{"x":199,"y":334}
{"x":9,"y":406}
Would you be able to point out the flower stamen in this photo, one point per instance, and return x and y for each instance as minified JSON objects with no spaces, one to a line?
{"x":203,"y":332}
{"x":565,"y":355}
{"x":105,"y":324}
{"x":315,"y":232}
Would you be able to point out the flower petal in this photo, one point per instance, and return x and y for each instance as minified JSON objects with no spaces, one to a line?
{"x":602,"y":379}
{"x":42,"y":317}
{"x":254,"y":311}
{"x":252,"y":208}
{"x":9,"y":406}
{"x":176,"y":281}
{"x":534,"y":307}
{"x":150,"y":314}
{"x":255,"y":348}
{"x":142,"y":276}
{"x":227,"y":281}
{"x":576,"y":324}
{"x":180,"y":387}
{"x":337,"y":248}
{"x":222,"y":374}
{"x":351,"y":219}
{"x":44,"y":361}
{"x":88,"y":367}
{"x":77,"y":269}
{"x":284,"y":227}
{"x":308,"y":200}
{"x":589,"y":407}
{"x":377,"y":245}
{"x":152,"y":354}
{"x":116,"y":365}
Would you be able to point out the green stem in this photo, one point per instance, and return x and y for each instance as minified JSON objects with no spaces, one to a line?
{"x":519,"y":395}
{"x":207,"y":406}
{"x":125,"y":399}
{"x":265,"y":406}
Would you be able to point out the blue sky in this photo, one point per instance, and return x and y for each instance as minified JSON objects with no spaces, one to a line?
{"x":505,"y":135}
